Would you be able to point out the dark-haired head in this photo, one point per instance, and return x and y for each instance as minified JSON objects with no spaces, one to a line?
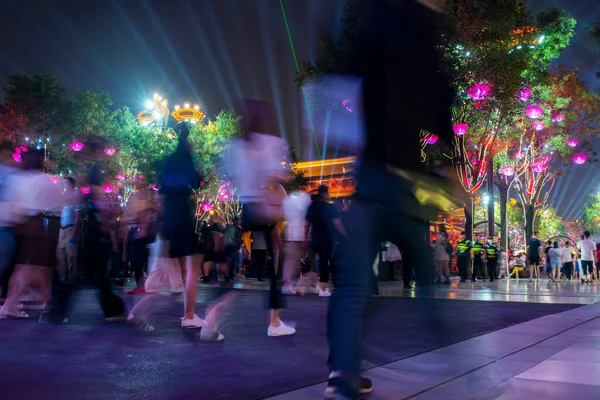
{"x":587,"y":234}
{"x":555,"y":245}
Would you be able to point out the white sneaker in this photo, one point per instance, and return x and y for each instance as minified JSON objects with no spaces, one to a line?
{"x":195,"y":322}
{"x":208,"y":335}
{"x":324,"y":293}
{"x":281,"y":330}
{"x":288,"y":290}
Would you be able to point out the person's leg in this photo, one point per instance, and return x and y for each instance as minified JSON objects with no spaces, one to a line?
{"x":406,"y":273}
{"x":207,"y":267}
{"x":259,"y":259}
{"x":111,"y":304}
{"x":275,"y":299}
{"x":324,"y":271}
{"x":191,"y":285}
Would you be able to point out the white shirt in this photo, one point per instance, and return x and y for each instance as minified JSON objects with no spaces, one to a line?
{"x":255,"y":163}
{"x":587,"y":248}
{"x":35,"y":193}
{"x":294,"y":210}
{"x":567,"y":254}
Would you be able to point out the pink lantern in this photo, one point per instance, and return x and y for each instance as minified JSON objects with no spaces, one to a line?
{"x":559,"y":118}
{"x":474,"y":160}
{"x":538,"y":125}
{"x":478,"y":91}
{"x":346,"y":104}
{"x":23,"y":149}
{"x":120,"y":177}
{"x":534,"y":111}
{"x":469,"y":154}
{"x":16,"y":157}
{"x":140,"y":177}
{"x":538,"y":167}
{"x":107,"y":188}
{"x":507,"y":170}
{"x":84,"y":189}
{"x":155,"y":186}
{"x":524,"y":95}
{"x":110,"y":151}
{"x":580,"y":158}
{"x":572,"y":142}
{"x":432,"y":139}
{"x":460,"y":129}
{"x":54,"y":180}
{"x":520,"y":155}
{"x":76,"y":146}
{"x":206,"y":207}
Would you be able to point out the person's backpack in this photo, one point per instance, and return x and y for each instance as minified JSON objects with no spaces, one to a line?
{"x":392,"y":253}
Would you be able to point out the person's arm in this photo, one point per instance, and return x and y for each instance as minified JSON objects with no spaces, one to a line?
{"x":337,"y":222}
{"x":77,"y":227}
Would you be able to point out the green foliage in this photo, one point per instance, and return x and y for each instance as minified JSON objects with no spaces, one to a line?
{"x":590,"y":217}
{"x":595,"y":34}
{"x":548,"y":224}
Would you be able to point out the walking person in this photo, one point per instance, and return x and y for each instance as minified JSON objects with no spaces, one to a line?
{"x":295,"y":207}
{"x":70,"y":226}
{"x":442,"y":257}
{"x":567,"y":259}
{"x":555,"y":255}
{"x":534,"y":250}
{"x":492,"y":253}
{"x":463,"y":249}
{"x":233,"y":243}
{"x":255,"y":162}
{"x":323,"y":220}
{"x":587,"y":255}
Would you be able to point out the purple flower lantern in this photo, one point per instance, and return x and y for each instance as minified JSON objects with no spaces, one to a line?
{"x":478,"y":91}
{"x":538,"y":125}
{"x":460,"y":129}
{"x":110,"y":151}
{"x":120,"y":177}
{"x":16,"y":157}
{"x":580,"y":158}
{"x":538,"y":167}
{"x":432,"y":138}
{"x":206,"y":207}
{"x":155,"y":186}
{"x":107,"y":188}
{"x":346,"y":104}
{"x":84,"y":189}
{"x":54,"y":180}
{"x":76,"y":146}
{"x":534,"y":112}
{"x":524,"y":95}
{"x":558,"y":118}
{"x":572,"y":142}
{"x":507,"y":170}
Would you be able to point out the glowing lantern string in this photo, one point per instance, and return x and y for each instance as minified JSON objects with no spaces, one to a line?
{"x":76,"y":146}
{"x":572,"y":142}
{"x":580,"y":158}
{"x":534,"y":111}
{"x":478,"y":91}
{"x":460,"y":129}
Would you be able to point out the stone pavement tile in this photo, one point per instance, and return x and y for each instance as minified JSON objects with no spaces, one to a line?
{"x":526,"y":389}
{"x":565,"y":371}
{"x":464,"y":388}
{"x":494,"y":345}
{"x":533,"y":328}
{"x":596,"y":333}
{"x":558,"y":342}
{"x":590,"y":342}
{"x":441,"y":363}
{"x":578,"y":354}
{"x":307,"y":393}
{"x":535,"y":353}
{"x":502,"y":370}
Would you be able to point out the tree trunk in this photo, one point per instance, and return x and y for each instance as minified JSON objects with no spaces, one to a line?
{"x":529,"y":220}
{"x":490,"y":193}
{"x":469,"y":213}
{"x":503,"y":195}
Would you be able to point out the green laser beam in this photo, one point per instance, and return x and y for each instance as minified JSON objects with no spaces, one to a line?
{"x":310,"y":120}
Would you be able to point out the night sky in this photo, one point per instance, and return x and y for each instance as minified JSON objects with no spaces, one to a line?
{"x":212,"y":52}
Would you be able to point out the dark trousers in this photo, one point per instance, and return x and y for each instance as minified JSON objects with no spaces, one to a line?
{"x":568,"y":269}
{"x":478,"y":268}
{"x":325,"y":252}
{"x":96,"y":255}
{"x":251,"y":221}
{"x":259,"y":260}
{"x":492,"y":266}
{"x":463,"y":266}
{"x":137,"y":256}
{"x":7,"y":257}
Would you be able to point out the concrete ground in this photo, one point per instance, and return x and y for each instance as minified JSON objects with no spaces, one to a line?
{"x":419,"y":345}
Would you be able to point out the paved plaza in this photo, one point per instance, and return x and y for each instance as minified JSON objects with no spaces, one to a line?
{"x":506,"y":340}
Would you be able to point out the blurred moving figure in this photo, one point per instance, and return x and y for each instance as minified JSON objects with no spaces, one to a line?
{"x":8,"y":167}
{"x":70,"y":225}
{"x":294,"y":210}
{"x":32,"y":194}
{"x":256,"y":169}
{"x":403,"y":93}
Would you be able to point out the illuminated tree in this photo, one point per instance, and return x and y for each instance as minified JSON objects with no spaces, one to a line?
{"x":495,"y":57}
{"x":595,"y":33}
{"x":590,"y":218}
